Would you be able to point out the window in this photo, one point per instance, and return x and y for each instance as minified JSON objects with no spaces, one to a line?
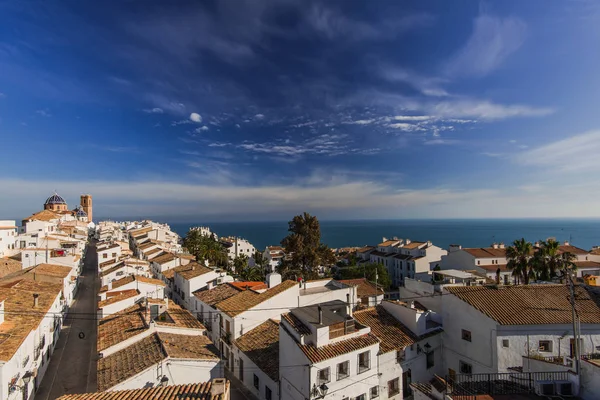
{"x":104,"y":255}
{"x":374,"y":392}
{"x":343,"y":370}
{"x":268,"y":393}
{"x":324,"y":376}
{"x":256,"y":381}
{"x":393,"y":387}
{"x":505,"y":343}
{"x":430,"y":359}
{"x":465,"y":368}
{"x":466,"y":335}
{"x":545,"y":346}
{"x":114,"y":254}
{"x":361,"y":397}
{"x":364,"y":362}
{"x":478,"y":262}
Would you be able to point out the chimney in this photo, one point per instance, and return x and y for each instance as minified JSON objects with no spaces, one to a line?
{"x":109,"y":285}
{"x":349,"y":305}
{"x":494,"y":245}
{"x":217,"y":387}
{"x":320,"y":315}
{"x":273,"y":279}
{"x":36,"y":297}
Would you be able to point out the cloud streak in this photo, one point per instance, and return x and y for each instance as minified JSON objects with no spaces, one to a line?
{"x":492,"y":41}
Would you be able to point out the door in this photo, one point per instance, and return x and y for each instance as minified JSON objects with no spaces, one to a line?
{"x":572,"y":347}
{"x":241,"y":370}
{"x":451,"y":374}
{"x":406,"y":380}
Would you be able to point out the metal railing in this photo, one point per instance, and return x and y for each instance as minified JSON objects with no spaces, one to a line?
{"x":502,"y":383}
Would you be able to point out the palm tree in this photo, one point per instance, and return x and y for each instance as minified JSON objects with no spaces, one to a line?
{"x":547,"y":259}
{"x":519,"y":257}
{"x":566,"y":262}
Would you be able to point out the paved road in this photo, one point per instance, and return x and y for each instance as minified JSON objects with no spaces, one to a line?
{"x":237,"y":389}
{"x":72,"y":366}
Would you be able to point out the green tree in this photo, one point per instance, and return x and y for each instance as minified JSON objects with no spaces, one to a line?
{"x":254,"y":274}
{"x":520,"y":260}
{"x":205,"y":248}
{"x":368,"y":271}
{"x":240,"y":262}
{"x":547,"y":260}
{"x":259,"y":259}
{"x":304,"y":248}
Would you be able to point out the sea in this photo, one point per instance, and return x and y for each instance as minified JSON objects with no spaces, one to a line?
{"x":584,"y":233}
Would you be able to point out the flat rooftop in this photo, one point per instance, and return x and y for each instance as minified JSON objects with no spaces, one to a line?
{"x":334,"y":312}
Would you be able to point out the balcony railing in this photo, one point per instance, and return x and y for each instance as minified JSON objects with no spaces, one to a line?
{"x":226,"y":337}
{"x":501,"y":384}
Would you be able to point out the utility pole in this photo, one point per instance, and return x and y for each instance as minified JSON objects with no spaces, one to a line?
{"x":575,"y":325}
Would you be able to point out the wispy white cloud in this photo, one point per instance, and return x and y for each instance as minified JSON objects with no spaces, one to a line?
{"x":492,"y":41}
{"x":195,"y":117}
{"x":181,"y":122}
{"x":439,"y":141}
{"x":44,"y":113}
{"x":483,"y":109}
{"x":577,"y":153}
{"x":429,"y":86}
{"x":333,"y":24}
{"x":406,"y":127}
{"x":2,"y":95}
{"x":155,"y":110}
{"x":412,"y":117}
{"x":201,"y":129}
{"x":363,"y":121}
{"x":259,"y":116}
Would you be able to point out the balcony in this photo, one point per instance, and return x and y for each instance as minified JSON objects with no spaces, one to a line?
{"x":502,"y":384}
{"x":226,"y":337}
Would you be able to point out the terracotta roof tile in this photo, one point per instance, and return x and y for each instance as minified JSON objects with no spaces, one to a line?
{"x":165,"y":258}
{"x":129,"y":362}
{"x":364,"y":287}
{"x":565,"y":248}
{"x":486,"y":252}
{"x":121,"y":326}
{"x":216,"y":295}
{"x":295,"y":323}
{"x":261,"y":345}
{"x":248,"y":299}
{"x":132,"y":278}
{"x":21,"y":317}
{"x":388,"y":243}
{"x":52,"y":270}
{"x":9,"y":266}
{"x":196,"y":391}
{"x":392,"y":334}
{"x":44,"y":215}
{"x":413,"y":245}
{"x":318,"y":354}
{"x":365,"y":249}
{"x":117,"y":297}
{"x":192,"y":270}
{"x":197,"y":347}
{"x":180,"y":317}
{"x":145,"y":353}
{"x":494,"y":267}
{"x":587,"y":264}
{"x":112,"y":269}
{"x":530,"y":304}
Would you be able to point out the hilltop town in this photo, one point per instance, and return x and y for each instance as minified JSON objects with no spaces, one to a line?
{"x":128,"y":310}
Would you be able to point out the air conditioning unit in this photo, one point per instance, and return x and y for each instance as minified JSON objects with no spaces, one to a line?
{"x":545,"y":388}
{"x":564,"y":388}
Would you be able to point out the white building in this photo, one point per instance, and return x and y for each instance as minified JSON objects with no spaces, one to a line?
{"x":117,"y":301}
{"x":489,"y":330}
{"x":8,"y":233}
{"x":158,"y":359}
{"x":236,"y":247}
{"x":190,"y":278}
{"x":273,"y":256}
{"x":30,"y":322}
{"x":404,"y":258}
{"x":324,"y":351}
{"x":148,"y":287}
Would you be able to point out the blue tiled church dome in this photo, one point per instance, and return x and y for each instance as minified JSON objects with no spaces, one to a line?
{"x":79,"y":212}
{"x":55,"y":199}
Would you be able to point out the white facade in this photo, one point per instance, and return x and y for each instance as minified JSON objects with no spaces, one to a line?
{"x":149,"y":290}
{"x":179,"y":372}
{"x":236,"y":246}
{"x":273,"y":256}
{"x":182,"y":292}
{"x":8,"y":234}
{"x":107,"y":252}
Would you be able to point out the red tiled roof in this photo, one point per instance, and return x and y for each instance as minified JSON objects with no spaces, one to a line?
{"x":125,"y":294}
{"x":364,"y":287}
{"x":494,"y":267}
{"x":486,"y":252}
{"x":295,"y":323}
{"x":248,"y":299}
{"x":216,"y":295}
{"x":392,"y":334}
{"x":261,"y":345}
{"x":196,"y":391}
{"x":318,"y":354}
{"x":529,"y":304}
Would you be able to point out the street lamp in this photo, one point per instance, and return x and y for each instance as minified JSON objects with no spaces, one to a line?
{"x":26,"y":379}
{"x":320,"y":391}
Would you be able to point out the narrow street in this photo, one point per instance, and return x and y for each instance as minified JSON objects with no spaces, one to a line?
{"x":72,"y":366}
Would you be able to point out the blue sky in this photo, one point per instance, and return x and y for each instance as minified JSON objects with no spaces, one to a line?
{"x":255,"y":109}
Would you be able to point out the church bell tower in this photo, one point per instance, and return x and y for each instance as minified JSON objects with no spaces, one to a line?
{"x":86,"y":204}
